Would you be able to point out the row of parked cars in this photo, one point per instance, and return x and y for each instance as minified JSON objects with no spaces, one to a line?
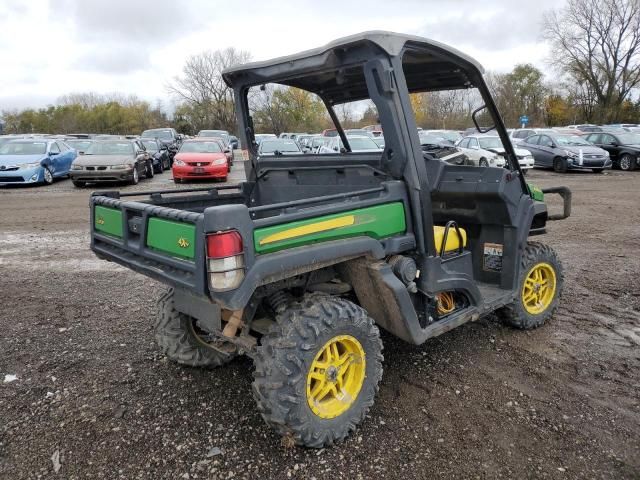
{"x":583,"y":147}
{"x":87,"y":158}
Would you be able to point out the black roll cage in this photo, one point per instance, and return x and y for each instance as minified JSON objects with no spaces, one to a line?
{"x":430,"y":66}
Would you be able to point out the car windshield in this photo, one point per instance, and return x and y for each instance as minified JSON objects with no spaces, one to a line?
{"x":490,"y":142}
{"x":451,"y":136}
{"x":80,"y":145}
{"x":361,"y":143}
{"x":426,"y":139}
{"x":110,"y":148}
{"x":212,"y":133}
{"x":271,"y":146}
{"x":629,"y":139}
{"x":163,"y":134}
{"x":317,"y":142}
{"x":570,"y":140}
{"x":200,"y":147}
{"x":150,"y":145}
{"x":23,"y":148}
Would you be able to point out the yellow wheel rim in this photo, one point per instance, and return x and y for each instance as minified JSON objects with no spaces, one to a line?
{"x":539,"y":288}
{"x":336,"y":376}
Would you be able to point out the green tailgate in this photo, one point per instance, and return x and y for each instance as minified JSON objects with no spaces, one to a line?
{"x":108,"y":221}
{"x":178,"y":239}
{"x":378,"y":222}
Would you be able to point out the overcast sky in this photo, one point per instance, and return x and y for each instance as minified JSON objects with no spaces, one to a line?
{"x":50,"y":48}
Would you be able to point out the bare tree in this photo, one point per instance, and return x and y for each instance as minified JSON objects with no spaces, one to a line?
{"x":597,"y":43}
{"x":202,"y":88}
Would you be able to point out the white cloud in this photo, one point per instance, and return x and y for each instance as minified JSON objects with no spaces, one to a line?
{"x":50,"y":48}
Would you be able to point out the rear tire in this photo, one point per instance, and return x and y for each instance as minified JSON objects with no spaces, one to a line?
{"x":148,"y":172}
{"x":310,"y":393}
{"x":177,"y":337}
{"x":536,"y":299}
{"x":560,"y":165}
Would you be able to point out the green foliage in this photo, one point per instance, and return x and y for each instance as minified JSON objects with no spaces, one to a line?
{"x":288,"y":109}
{"x":106,"y":117}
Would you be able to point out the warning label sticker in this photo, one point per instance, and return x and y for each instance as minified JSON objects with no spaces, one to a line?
{"x":492,"y":257}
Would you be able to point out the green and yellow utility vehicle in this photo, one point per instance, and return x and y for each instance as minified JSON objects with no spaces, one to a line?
{"x":299,"y":265}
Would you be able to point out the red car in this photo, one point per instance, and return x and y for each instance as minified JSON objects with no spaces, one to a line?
{"x":200,"y":159}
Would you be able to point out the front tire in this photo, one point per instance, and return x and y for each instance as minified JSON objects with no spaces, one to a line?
{"x":483,"y":162}
{"x":148,"y":172}
{"x":317,"y":371}
{"x":627,"y":163}
{"x":135,"y":176}
{"x":560,"y":165}
{"x":539,"y":288}
{"x":179,"y":338}
{"x":47,"y":176}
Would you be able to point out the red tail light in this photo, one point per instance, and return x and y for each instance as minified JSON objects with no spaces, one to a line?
{"x":225,"y":244}
{"x":225,"y":260}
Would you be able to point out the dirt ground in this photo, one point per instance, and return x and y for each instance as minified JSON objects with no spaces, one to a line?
{"x":95,"y":399}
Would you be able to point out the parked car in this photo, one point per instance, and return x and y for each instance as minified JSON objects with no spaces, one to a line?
{"x":476,"y":148}
{"x":234,"y":143}
{"x":359,"y":132}
{"x":519,"y":134}
{"x":435,"y":147}
{"x":214,"y":134}
{"x":112,"y":161}
{"x":31,"y":161}
{"x":159,"y":153}
{"x":330,"y":132}
{"x":379,"y":141}
{"x":566,"y":152}
{"x":358,"y":143}
{"x":262,"y":136}
{"x":623,"y":148}
{"x":493,"y":144}
{"x":588,"y":128}
{"x":201,"y":159}
{"x":226,"y":148}
{"x":317,"y":142}
{"x":79,"y":144}
{"x":376,"y":130}
{"x":277,"y":146}
{"x":449,"y":135}
{"x":168,"y":136}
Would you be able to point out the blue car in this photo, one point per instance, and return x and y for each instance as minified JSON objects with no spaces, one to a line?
{"x":32,"y":161}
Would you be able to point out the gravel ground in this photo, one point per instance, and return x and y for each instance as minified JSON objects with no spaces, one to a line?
{"x":94,"y":398}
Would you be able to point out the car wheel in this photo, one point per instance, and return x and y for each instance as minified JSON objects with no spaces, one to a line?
{"x":135,"y":178}
{"x":483,"y":162}
{"x":48,"y":176}
{"x":78,"y":183}
{"x":160,"y":168}
{"x":560,"y":165}
{"x":627,"y":163}
{"x":149,"y":170}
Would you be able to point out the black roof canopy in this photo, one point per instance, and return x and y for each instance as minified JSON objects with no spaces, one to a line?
{"x":334,"y":71}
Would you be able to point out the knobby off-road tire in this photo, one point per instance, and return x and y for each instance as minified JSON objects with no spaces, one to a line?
{"x":177,"y":338}
{"x":296,"y":346}
{"x":541,"y":271}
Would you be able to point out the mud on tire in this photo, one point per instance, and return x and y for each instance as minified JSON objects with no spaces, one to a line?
{"x":515,"y":314}
{"x":286,"y":354}
{"x":176,"y":336}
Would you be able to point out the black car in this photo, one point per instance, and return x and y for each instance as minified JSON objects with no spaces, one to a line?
{"x":566,"y":152}
{"x":623,"y":148}
{"x":159,"y":154}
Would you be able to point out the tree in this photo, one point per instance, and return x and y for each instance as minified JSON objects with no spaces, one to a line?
{"x":203,"y":90}
{"x":280,"y":109}
{"x":597,"y":44}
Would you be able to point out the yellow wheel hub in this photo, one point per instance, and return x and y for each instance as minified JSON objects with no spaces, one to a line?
{"x":539,"y":288}
{"x":336,"y":376}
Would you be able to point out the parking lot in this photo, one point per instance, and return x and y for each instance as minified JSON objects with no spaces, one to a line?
{"x":484,"y":401}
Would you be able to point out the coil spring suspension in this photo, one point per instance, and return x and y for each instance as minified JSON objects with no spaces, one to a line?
{"x":279,"y":301}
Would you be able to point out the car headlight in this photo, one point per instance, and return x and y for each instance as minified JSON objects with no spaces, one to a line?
{"x":120,"y":167}
{"x":220,"y":161}
{"x":29,"y":165}
{"x":77,"y":167}
{"x":180,"y":163}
